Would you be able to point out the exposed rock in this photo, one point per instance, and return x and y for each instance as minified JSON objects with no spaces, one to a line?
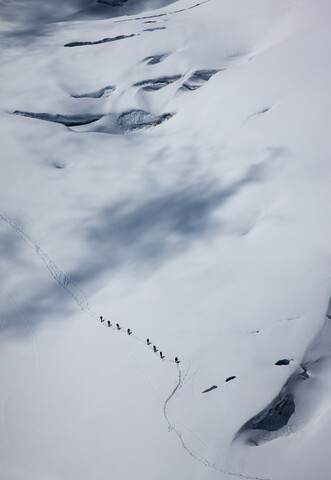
{"x":270,"y":422}
{"x":328,"y":313}
{"x":202,"y":75}
{"x":139,"y":119}
{"x":260,"y":112}
{"x":210,"y":389}
{"x":284,"y":361}
{"x":275,"y":416}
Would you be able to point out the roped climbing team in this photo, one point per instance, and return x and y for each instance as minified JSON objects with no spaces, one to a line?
{"x":129,"y":332}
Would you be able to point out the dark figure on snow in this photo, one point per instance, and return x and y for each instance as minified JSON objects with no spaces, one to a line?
{"x":154,"y":348}
{"x":176,"y":360}
{"x":148,"y":342}
{"x":161,"y":355}
{"x":118,"y":327}
{"x":129,"y":331}
{"x":101,"y":318}
{"x":109,"y":324}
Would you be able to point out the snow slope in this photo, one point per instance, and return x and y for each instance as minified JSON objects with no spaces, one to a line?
{"x":165,"y":165}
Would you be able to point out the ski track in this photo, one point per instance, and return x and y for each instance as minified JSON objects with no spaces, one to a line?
{"x":59,"y":276}
{"x":63,"y":280}
{"x":172,"y":427}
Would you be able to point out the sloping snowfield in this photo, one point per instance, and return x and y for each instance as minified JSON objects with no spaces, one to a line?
{"x":165,"y":165}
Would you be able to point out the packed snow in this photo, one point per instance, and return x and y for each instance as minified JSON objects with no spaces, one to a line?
{"x":165,"y":240}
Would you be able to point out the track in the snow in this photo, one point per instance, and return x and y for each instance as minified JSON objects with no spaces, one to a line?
{"x":64,"y":281}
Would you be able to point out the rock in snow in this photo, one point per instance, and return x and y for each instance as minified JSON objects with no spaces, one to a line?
{"x":165,"y":167}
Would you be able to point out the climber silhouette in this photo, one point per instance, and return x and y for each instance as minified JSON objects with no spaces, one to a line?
{"x":129,"y":331}
{"x":148,"y":342}
{"x":118,"y":327}
{"x":176,"y":360}
{"x":154,"y":348}
{"x":101,"y":318}
{"x":161,"y":355}
{"x":109,"y":324}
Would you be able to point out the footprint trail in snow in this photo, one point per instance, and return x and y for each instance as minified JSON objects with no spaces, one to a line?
{"x":64,"y":281}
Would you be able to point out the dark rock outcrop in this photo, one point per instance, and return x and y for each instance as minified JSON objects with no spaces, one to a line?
{"x":210,"y":389}
{"x":284,"y":361}
{"x":134,"y":120}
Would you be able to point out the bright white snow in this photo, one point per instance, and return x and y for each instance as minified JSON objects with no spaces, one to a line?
{"x":194,"y":211}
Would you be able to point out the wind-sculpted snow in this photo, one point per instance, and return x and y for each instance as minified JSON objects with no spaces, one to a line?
{"x":67,"y":120}
{"x":126,"y":122}
{"x":154,"y":59}
{"x":205,"y":236}
{"x":272,"y":419}
{"x":157,"y":83}
{"x":198,"y":78}
{"x":98,"y":42}
{"x":202,"y":75}
{"x":102,"y":93}
{"x":276,"y":419}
